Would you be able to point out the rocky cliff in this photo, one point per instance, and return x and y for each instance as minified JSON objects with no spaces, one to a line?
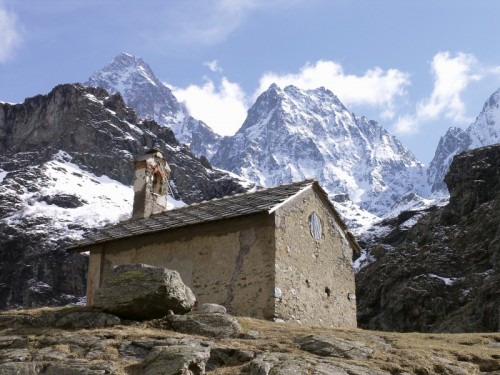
{"x":66,"y":166}
{"x":443,"y":273}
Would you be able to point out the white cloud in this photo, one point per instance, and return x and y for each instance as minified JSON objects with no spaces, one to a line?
{"x":10,"y":35}
{"x":376,"y":87}
{"x":452,"y":76}
{"x":213,"y":66}
{"x":221,"y":107}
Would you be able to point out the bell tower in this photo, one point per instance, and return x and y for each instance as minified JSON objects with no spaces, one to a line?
{"x":150,"y":184}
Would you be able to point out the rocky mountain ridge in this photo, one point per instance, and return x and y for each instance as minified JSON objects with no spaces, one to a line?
{"x":291,"y":134}
{"x":484,"y":131}
{"x":442,"y":272}
{"x":375,"y":177}
{"x":62,"y":156}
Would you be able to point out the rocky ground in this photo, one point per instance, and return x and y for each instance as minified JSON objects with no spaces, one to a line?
{"x":78,"y":340}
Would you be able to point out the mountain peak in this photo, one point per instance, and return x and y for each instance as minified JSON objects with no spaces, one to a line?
{"x":291,"y":134}
{"x":484,"y":131}
{"x":152,"y":99}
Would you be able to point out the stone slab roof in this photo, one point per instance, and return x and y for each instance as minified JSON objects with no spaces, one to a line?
{"x":265,"y":200}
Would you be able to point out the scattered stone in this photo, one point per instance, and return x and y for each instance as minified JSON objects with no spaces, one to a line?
{"x":209,"y":308}
{"x":50,"y":354}
{"x":80,"y":367}
{"x":14,"y":320}
{"x":139,"y":291}
{"x":176,"y":359}
{"x":251,"y":335}
{"x":278,"y":364}
{"x":212,"y":325}
{"x":224,"y":356}
{"x":14,"y":355}
{"x":18,"y":368}
{"x":494,"y":345}
{"x":68,"y":319}
{"x":289,"y":364}
{"x":87,"y":319}
{"x":13,"y":342}
{"x":334,"y":347}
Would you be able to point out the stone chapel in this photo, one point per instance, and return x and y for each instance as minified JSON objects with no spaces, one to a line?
{"x":276,"y":253}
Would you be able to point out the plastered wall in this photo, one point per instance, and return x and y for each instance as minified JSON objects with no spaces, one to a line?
{"x":314,"y":278}
{"x":230,"y":262}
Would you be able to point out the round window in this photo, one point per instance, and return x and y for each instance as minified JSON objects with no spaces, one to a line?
{"x":315,"y":226}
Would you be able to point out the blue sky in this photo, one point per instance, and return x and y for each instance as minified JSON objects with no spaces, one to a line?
{"x":417,"y":67}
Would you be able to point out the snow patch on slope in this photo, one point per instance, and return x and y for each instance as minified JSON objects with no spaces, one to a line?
{"x":101,"y":200}
{"x":2,"y":175}
{"x":88,"y":201}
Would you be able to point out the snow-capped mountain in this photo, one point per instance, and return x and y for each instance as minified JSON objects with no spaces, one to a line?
{"x":66,"y":168}
{"x":291,"y":134}
{"x":133,"y":78}
{"x":484,"y":131}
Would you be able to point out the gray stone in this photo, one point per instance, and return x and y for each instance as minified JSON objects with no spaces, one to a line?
{"x":139,"y":291}
{"x":251,"y":335}
{"x":176,"y":359}
{"x":212,"y":325}
{"x":290,"y":364}
{"x":279,"y":364}
{"x":226,"y":356}
{"x":334,"y":347}
{"x":13,"y":342}
{"x":209,"y":308}
{"x":14,"y":320}
{"x":14,"y":355}
{"x":20,"y":368}
{"x":50,"y":354}
{"x":99,"y":349}
{"x":80,"y":367}
{"x":87,"y":319}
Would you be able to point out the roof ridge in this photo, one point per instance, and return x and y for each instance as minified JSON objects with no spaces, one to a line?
{"x":207,"y":211}
{"x":265,"y":189}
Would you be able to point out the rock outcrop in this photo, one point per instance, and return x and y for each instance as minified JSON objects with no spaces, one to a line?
{"x":205,"y":324}
{"x":443,"y":273}
{"x":140,"y":291}
{"x":281,"y":349}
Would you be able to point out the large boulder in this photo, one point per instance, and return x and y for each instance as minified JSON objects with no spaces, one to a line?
{"x":141,"y":292}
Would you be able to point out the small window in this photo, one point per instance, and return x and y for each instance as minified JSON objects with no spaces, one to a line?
{"x":315,"y":226}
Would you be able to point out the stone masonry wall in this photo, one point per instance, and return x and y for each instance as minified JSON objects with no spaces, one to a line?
{"x":230,"y":262}
{"x":314,"y":277}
